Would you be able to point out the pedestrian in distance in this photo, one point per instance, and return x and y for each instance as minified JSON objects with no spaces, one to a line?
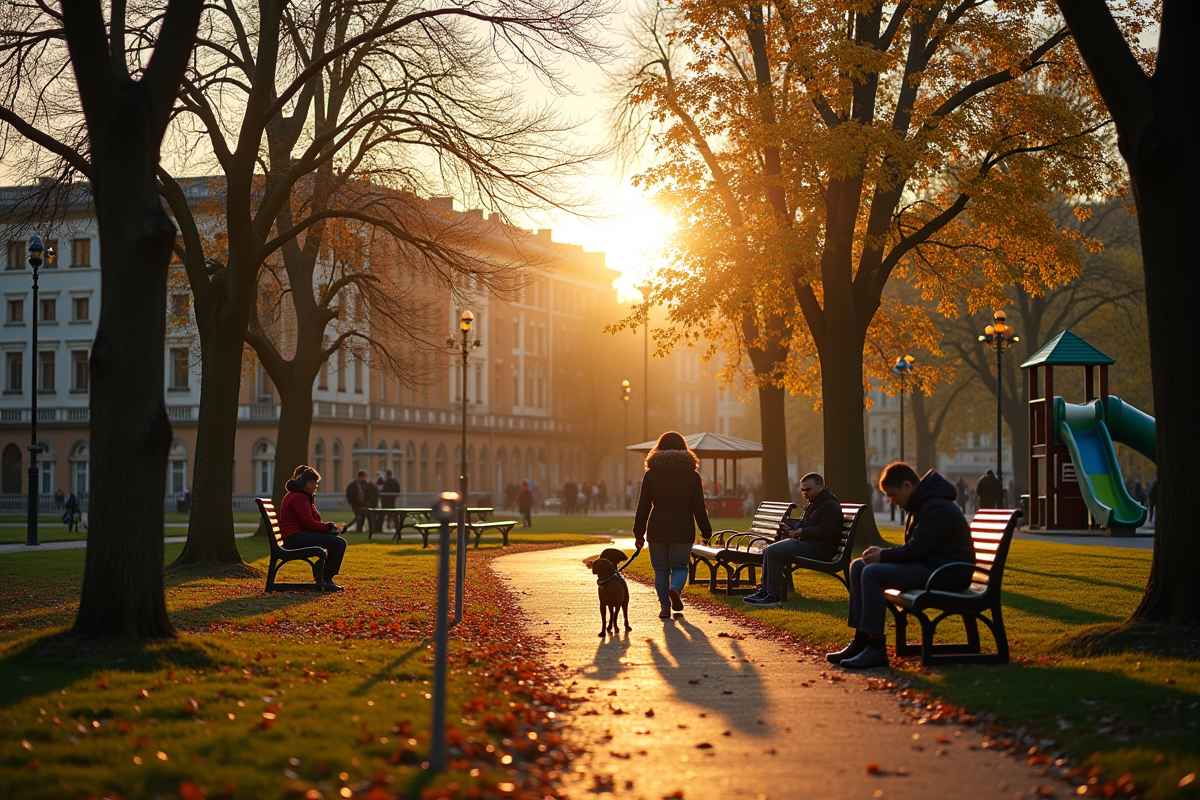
{"x":525,"y":504}
{"x":388,"y":495}
{"x":961,"y":492}
{"x":988,"y":490}
{"x":670,"y":507}
{"x":361,"y":494}
{"x":300,"y":523}
{"x":815,"y":535}
{"x":570,"y":489}
{"x":936,"y":534}
{"x":71,"y":512}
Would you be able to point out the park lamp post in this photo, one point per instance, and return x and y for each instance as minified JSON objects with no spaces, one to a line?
{"x":999,"y":336}
{"x":37,"y":254}
{"x":445,"y":509}
{"x":903,"y":369}
{"x":465,"y":346}
{"x":625,"y":389}
{"x":645,"y":290}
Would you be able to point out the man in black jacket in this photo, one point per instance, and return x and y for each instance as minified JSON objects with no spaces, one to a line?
{"x":361,"y":495}
{"x":815,"y":535}
{"x":937,"y":534}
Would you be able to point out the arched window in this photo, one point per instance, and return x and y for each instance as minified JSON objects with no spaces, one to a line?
{"x":356,"y":462}
{"x":410,"y":467}
{"x":501,"y":463}
{"x":10,"y":470}
{"x":337,"y":465}
{"x":542,"y":472}
{"x":440,"y":468}
{"x":80,"y":455}
{"x":46,"y":459}
{"x":263,"y":459}
{"x":424,"y":466}
{"x":395,"y":459}
{"x":484,"y":479}
{"x":177,"y":462}
{"x":319,"y":456}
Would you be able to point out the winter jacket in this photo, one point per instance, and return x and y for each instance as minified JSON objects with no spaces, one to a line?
{"x":936,"y":532}
{"x":525,"y":497}
{"x":298,"y":512}
{"x":821,"y":521}
{"x":988,"y":491}
{"x":671,"y":501}
{"x":362,"y":494}
{"x":391,"y":488}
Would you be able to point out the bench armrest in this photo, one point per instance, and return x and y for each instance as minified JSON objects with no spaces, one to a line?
{"x":720,"y":538}
{"x":973,"y":566}
{"x":746,"y":540}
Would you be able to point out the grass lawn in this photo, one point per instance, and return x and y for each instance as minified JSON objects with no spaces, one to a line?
{"x":281,"y":696}
{"x":1125,"y":713}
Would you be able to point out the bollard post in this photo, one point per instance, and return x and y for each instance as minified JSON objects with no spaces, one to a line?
{"x":444,"y":511}
{"x":460,"y":562}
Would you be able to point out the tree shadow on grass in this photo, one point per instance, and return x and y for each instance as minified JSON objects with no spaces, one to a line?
{"x":385,"y":671}
{"x":245,"y":606}
{"x":1050,"y":609}
{"x":53,"y":661}
{"x":1077,"y":578}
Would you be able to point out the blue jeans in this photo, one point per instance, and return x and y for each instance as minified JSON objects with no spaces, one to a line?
{"x":670,"y":561}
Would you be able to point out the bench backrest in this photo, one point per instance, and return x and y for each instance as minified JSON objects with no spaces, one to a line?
{"x":768,"y":517}
{"x":266,"y":507}
{"x":991,"y":532}
{"x":852,"y":513}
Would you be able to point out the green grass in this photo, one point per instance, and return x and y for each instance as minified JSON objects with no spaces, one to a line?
{"x":1128,"y":712}
{"x":268,"y":696}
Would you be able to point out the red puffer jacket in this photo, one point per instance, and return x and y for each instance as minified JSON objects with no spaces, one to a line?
{"x":298,"y":512}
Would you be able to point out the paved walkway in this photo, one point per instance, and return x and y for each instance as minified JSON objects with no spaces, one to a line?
{"x":698,"y":704}
{"x":77,"y":544}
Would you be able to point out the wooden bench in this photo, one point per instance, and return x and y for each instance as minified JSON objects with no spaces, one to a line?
{"x":727,"y":549}
{"x":991,"y":531}
{"x":476,"y":528}
{"x":280,"y":555}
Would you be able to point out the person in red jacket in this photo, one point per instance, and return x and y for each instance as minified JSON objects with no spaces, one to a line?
{"x":525,"y":504}
{"x":300,"y":524}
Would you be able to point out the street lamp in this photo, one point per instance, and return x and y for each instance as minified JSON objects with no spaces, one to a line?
{"x":645,"y":290}
{"x":625,"y":453}
{"x":37,"y":253}
{"x":903,"y":369}
{"x":466,"y":346}
{"x":999,"y":336}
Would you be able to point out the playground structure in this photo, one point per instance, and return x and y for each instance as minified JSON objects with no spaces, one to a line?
{"x":1073,"y":469}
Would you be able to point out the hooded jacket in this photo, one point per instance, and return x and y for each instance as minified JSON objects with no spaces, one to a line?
{"x":936,"y":532}
{"x":671,"y":501}
{"x":821,"y":521}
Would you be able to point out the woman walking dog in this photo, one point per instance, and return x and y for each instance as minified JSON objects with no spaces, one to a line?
{"x":670,"y":506}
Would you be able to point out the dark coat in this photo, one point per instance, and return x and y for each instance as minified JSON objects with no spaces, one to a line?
{"x":936,"y":532}
{"x":988,"y":491}
{"x":671,"y":501}
{"x":821,"y":521}
{"x":362,"y":494}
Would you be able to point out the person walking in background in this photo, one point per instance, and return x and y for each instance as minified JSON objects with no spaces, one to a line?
{"x":570,"y":489}
{"x":361,"y":494}
{"x":1152,"y":497}
{"x":71,"y":512}
{"x":388,"y":495}
{"x":988,"y":490}
{"x":670,"y":507}
{"x":525,"y":504}
{"x":602,"y":496}
{"x":587,"y":496}
{"x":961,"y":489}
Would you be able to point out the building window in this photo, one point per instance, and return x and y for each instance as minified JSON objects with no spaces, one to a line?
{"x":14,"y":369}
{"x":79,"y":468}
{"x":179,"y":368}
{"x":16,"y":312}
{"x":264,"y":467}
{"x":177,"y":469}
{"x":81,"y":252}
{"x":81,"y":309}
{"x":181,"y":304}
{"x":319,"y":456}
{"x":16,"y":255}
{"x":49,"y":309}
{"x":516,"y":342}
{"x":46,"y":371}
{"x":266,"y":389}
{"x":358,"y":374}
{"x":341,"y":370}
{"x":79,"y":371}
{"x":478,"y":383}
{"x":516,"y":395}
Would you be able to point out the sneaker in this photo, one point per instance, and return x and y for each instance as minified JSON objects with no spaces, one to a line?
{"x":664,"y":612}
{"x":755,"y":595}
{"x":676,"y":600}
{"x":767,"y":600}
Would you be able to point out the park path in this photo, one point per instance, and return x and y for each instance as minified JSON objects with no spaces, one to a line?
{"x":734,"y":715}
{"x":79,"y":544}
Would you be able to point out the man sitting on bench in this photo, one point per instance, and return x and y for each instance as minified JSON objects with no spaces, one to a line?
{"x":936,"y":533}
{"x":815,"y":535}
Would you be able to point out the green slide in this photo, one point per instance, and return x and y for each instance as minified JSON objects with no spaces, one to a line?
{"x":1088,"y":433}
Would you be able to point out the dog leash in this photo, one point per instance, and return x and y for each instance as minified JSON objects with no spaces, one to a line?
{"x":620,"y":569}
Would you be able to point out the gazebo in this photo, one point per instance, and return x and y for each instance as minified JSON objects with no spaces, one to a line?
{"x":723,"y":449}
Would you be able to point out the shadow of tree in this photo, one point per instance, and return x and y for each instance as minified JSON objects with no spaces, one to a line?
{"x":1050,"y":609}
{"x":53,"y":661}
{"x":385,"y":672}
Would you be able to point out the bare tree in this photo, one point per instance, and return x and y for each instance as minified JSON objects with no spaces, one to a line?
{"x":125,"y":113}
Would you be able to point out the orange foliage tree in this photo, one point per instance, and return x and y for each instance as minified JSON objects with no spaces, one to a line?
{"x":814,"y":151}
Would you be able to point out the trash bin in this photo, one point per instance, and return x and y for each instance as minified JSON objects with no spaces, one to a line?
{"x":1025,"y":505}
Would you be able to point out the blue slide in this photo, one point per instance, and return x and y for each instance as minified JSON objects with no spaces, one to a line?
{"x":1089,"y":440}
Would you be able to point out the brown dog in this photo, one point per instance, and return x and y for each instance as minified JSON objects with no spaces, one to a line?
{"x":614,"y":555}
{"x":614,"y":595}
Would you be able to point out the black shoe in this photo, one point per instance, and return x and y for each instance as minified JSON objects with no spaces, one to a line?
{"x":767,"y":600}
{"x":676,"y":600}
{"x":849,"y":651}
{"x":330,"y":586}
{"x":871,"y":656}
{"x":755,"y":595}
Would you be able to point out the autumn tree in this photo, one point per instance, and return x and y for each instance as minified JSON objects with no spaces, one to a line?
{"x":125,"y":95}
{"x":1157,"y":126}
{"x":813,"y":152}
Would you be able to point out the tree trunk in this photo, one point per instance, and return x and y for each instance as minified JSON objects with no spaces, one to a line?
{"x":1164,"y":173}
{"x":841,"y":357}
{"x":130,"y":434}
{"x":295,"y":426}
{"x":210,"y":529}
{"x":774,"y":443}
{"x":923,"y":429}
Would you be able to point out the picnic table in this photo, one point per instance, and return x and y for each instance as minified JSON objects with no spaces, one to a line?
{"x":412,"y":517}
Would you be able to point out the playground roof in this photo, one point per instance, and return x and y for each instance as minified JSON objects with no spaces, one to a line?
{"x":711,"y":445}
{"x":1067,"y":350}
